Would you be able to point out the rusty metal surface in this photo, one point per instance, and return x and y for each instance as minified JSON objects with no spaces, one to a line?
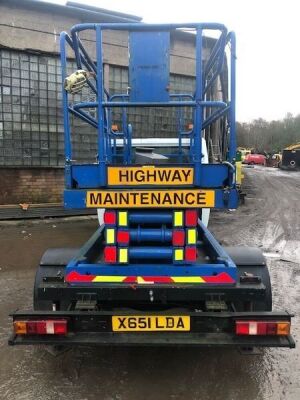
{"x":42,"y":211}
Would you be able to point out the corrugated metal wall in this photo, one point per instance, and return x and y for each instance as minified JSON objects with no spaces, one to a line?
{"x":31,"y":125}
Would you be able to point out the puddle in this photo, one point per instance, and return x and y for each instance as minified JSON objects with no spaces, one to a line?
{"x":271,"y":255}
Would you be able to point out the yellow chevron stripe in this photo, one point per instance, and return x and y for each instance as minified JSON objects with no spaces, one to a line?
{"x":187,"y":279}
{"x":102,"y":278}
{"x":141,"y":280}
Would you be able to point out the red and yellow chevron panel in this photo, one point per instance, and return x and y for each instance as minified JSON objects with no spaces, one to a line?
{"x":221,"y":278}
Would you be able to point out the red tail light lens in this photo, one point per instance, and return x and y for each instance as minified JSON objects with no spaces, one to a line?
{"x":60,"y":327}
{"x":123,"y":237}
{"x":271,"y":328}
{"x":191,"y":217}
{"x":178,"y":238}
{"x":110,"y":218}
{"x":190,"y":254}
{"x":31,"y":327}
{"x":242,"y":328}
{"x":41,"y":327}
{"x":262,"y":328}
{"x":110,"y":254}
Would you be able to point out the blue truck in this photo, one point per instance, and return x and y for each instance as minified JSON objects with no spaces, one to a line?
{"x":152,"y":273}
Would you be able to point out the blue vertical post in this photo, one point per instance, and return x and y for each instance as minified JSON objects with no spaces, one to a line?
{"x":108,"y":136}
{"x":198,"y":110}
{"x":129,"y":131}
{"x":232,"y":139}
{"x":67,"y":133}
{"x":124,"y":130}
{"x":101,"y":134}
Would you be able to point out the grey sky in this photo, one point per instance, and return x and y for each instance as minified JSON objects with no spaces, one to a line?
{"x":268,"y":40}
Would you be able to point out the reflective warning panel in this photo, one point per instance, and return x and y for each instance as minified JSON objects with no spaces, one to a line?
{"x":151,"y":198}
{"x":149,"y":175}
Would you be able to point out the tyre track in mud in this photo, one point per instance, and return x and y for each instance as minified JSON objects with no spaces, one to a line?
{"x":271,"y":221}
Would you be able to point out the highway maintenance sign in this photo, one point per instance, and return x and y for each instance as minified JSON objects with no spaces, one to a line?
{"x":193,"y":198}
{"x":150,"y":175}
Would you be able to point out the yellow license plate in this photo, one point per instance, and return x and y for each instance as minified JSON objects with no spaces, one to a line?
{"x":137,"y":323}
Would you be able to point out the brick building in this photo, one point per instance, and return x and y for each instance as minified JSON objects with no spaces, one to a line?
{"x":31,"y":125}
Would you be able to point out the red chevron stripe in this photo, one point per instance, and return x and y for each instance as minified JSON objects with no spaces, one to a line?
{"x":130,"y":279}
{"x":223,"y":277}
{"x":76,"y":277}
{"x":158,"y":279}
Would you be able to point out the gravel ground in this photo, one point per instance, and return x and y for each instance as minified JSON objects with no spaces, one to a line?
{"x":270,"y":219}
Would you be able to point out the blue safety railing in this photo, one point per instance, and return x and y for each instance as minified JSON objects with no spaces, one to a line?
{"x":206,"y":109}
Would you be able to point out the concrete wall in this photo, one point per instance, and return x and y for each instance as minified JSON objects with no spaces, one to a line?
{"x":28,"y":28}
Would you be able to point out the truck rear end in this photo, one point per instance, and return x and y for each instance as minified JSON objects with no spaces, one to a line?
{"x":152,"y":273}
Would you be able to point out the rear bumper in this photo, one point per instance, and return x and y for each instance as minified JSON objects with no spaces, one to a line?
{"x":157,"y":339}
{"x":208,"y":329}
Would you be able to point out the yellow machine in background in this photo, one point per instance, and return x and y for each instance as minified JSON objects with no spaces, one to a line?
{"x":239,"y":173}
{"x":244,"y":151}
{"x":295,"y":146}
{"x":239,"y":176}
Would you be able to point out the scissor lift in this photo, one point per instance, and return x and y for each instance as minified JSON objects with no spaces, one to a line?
{"x":152,"y":273}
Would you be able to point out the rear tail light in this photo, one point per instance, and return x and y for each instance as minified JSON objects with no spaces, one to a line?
{"x":110,"y":254}
{"x":262,"y":328}
{"x":191,"y":218}
{"x":123,"y":237}
{"x":178,"y":237}
{"x":41,"y":327}
{"x":110,"y":218}
{"x":190,"y":254}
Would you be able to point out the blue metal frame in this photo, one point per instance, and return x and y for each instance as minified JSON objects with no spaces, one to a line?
{"x":206,"y":111}
{"x":205,"y":77}
{"x":83,"y":265}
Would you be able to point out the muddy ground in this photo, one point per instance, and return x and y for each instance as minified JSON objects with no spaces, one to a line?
{"x":270,"y":219}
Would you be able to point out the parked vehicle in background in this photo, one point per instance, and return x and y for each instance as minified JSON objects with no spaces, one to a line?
{"x":244,"y":151}
{"x":255,"y":159}
{"x":273,"y":160}
{"x":291,"y":157}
